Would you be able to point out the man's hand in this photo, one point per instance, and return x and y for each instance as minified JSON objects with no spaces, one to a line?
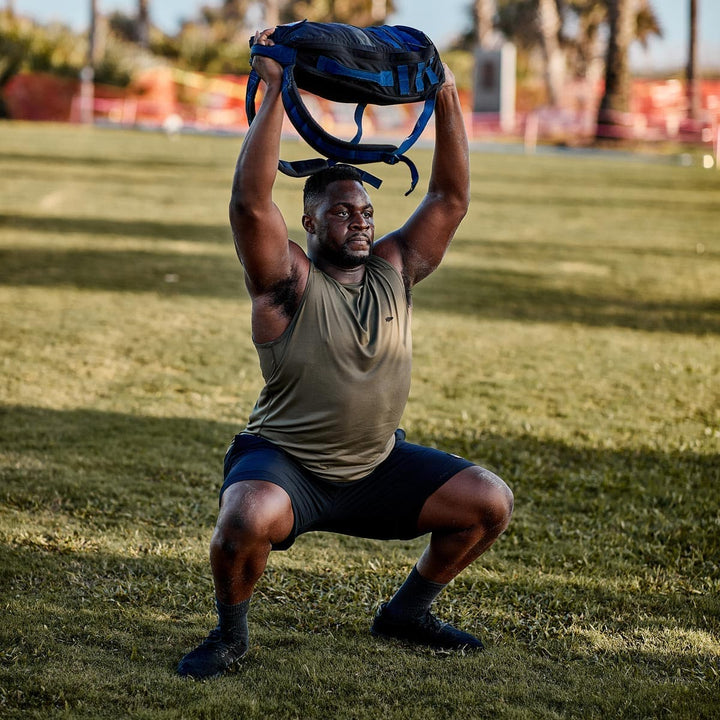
{"x":449,"y":78}
{"x":268,"y":69}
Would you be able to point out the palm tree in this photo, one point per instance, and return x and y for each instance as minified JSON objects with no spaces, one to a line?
{"x":622,"y":17}
{"x":550,"y":25}
{"x":587,"y":49}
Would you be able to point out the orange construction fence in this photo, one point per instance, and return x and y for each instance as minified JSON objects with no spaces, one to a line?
{"x":169,"y":98}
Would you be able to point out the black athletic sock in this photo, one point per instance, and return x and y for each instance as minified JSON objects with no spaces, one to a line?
{"x":232,"y":621}
{"x":414,"y":597}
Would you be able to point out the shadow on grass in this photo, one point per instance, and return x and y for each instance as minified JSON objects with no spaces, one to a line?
{"x":103,"y":466}
{"x":492,"y":294}
{"x":95,"y":227}
{"x":126,"y":271}
{"x":502,"y":294}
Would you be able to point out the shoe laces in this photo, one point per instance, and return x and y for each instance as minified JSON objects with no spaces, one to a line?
{"x":214,"y":639}
{"x":430,"y":622}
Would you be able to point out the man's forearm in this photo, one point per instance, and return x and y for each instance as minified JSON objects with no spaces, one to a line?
{"x":257,"y":162}
{"x":451,"y":168}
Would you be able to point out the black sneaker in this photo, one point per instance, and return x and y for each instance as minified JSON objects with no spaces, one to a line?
{"x":427,"y":630}
{"x":211,"y":658}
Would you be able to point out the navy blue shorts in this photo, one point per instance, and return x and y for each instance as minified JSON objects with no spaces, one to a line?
{"x":385,"y":504}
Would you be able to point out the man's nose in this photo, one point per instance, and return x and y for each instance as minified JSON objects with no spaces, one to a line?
{"x":359,"y":220}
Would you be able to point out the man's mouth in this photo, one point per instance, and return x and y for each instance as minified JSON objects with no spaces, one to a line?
{"x":357,"y":239}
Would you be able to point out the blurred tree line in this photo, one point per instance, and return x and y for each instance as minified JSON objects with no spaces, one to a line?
{"x":563,"y":40}
{"x":556,"y":39}
{"x":214,"y":41}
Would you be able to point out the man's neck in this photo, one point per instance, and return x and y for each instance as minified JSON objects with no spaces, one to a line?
{"x":345,"y":276}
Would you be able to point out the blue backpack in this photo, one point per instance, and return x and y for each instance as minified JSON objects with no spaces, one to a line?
{"x":384,"y":65}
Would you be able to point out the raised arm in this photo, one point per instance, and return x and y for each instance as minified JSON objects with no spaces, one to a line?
{"x":259,"y":230}
{"x":417,"y":248}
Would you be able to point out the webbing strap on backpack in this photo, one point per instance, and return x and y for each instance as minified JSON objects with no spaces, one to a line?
{"x":388,"y":82}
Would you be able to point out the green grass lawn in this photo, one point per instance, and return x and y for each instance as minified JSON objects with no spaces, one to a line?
{"x":570,"y":342}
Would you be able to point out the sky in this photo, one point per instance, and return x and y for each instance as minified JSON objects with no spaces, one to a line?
{"x":440,"y":20}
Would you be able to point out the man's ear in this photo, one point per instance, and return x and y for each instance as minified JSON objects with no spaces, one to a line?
{"x":309,"y":224}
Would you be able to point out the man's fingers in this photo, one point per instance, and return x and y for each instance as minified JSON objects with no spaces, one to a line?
{"x":262,"y":36}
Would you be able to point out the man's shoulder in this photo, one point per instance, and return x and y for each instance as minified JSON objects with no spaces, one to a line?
{"x":379,"y":263}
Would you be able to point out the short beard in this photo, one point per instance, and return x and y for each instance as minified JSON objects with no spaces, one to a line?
{"x":342,"y":257}
{"x":347,"y":261}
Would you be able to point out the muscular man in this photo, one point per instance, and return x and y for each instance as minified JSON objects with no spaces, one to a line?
{"x":322,"y":449}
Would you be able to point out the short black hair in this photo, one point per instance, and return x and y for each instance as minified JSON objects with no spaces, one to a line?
{"x":317,"y":183}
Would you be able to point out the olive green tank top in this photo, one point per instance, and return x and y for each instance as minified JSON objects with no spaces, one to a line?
{"x":338,"y":378}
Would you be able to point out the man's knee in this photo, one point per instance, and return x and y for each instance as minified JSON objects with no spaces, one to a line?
{"x":495,"y":501}
{"x":488,"y":499}
{"x":252,"y":512}
{"x":474,"y":498}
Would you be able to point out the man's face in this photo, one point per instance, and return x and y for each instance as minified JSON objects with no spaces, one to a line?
{"x":343,"y":225}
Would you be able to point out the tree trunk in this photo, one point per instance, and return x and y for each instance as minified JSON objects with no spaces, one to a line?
{"x":693,"y":94}
{"x":142,"y":31}
{"x":94,"y":35}
{"x":549,"y":24}
{"x":87,"y":74}
{"x":616,"y":99}
{"x":484,"y":14}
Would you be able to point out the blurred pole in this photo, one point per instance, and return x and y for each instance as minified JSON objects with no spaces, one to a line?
{"x":87,"y":74}
{"x":693,"y":94}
